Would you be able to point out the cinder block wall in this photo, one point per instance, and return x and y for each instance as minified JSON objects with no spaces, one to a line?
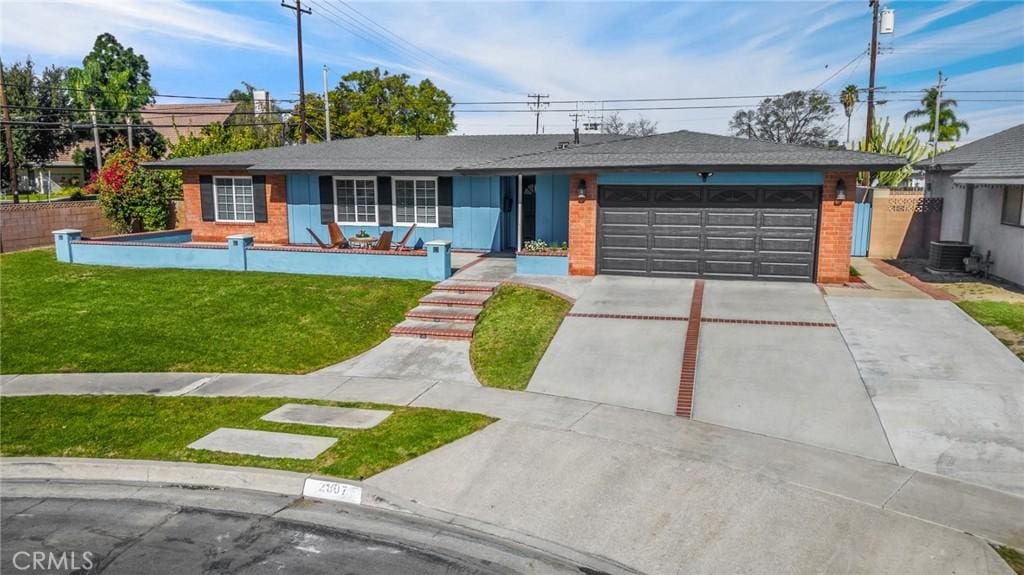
{"x":30,"y":225}
{"x":903,"y":224}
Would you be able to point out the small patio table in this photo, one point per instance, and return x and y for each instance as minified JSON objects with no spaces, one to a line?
{"x":362,"y":242}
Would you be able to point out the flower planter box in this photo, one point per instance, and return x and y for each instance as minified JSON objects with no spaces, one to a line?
{"x":553,"y":263}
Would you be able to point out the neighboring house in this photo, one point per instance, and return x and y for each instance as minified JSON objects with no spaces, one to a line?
{"x":981,"y":185}
{"x":174,"y":121}
{"x":62,"y":172}
{"x":681,"y":204}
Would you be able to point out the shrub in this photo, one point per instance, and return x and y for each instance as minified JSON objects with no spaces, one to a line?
{"x":542,"y":246}
{"x":134,"y":198}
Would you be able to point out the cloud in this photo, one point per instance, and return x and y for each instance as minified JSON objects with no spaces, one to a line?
{"x":163,"y":29}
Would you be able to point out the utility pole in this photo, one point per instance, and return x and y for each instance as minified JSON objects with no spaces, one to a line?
{"x":95,"y":136}
{"x":299,"y":11}
{"x":536,"y":106}
{"x":576,"y":127}
{"x":873,"y":49}
{"x":327,"y":107}
{"x":12,"y":170}
{"x":938,"y":114}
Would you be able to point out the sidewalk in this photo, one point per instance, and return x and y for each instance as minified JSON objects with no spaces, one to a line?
{"x":962,"y":506}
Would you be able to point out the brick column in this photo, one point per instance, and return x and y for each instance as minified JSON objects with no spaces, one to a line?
{"x":582,"y":226}
{"x":835,"y":236}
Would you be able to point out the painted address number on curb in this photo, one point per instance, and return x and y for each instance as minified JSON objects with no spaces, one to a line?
{"x":332,"y":490}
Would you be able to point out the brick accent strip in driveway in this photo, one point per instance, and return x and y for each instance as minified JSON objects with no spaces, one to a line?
{"x":627,"y":316}
{"x":684,"y":402}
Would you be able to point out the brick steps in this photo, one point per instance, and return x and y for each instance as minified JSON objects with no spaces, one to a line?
{"x":449,"y":312}
{"x":444,"y":313}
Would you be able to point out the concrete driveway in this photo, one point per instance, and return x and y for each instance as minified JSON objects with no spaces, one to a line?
{"x":951,"y":396}
{"x":605,"y":352}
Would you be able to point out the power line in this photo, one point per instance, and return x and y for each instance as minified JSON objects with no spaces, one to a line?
{"x":355,"y":27}
{"x":161,"y":112}
{"x":79,"y":126}
{"x":840,"y":70}
{"x":400,"y":39}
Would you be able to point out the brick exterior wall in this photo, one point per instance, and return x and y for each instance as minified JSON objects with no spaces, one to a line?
{"x":30,"y":225}
{"x":583,"y":227}
{"x":835,"y":235}
{"x":274,"y":231}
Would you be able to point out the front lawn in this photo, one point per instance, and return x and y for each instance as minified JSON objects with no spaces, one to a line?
{"x":512,"y":334}
{"x":76,"y":318}
{"x":1004,"y":319}
{"x":148,"y":427}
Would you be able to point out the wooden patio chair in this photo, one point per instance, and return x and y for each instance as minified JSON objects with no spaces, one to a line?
{"x":320,"y":242}
{"x":337,"y":237}
{"x":384,"y":243}
{"x":401,"y":245}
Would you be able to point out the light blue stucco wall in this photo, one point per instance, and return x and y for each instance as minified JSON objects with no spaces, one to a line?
{"x":476,"y":207}
{"x":542,"y":265}
{"x":717,"y":178}
{"x":552,"y":208}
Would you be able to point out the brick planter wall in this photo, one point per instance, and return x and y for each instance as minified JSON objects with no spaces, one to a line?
{"x":274,"y":231}
{"x":583,"y":227}
{"x":835,"y":236}
{"x":30,"y":225}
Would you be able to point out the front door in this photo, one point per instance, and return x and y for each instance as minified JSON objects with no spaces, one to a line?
{"x":529,"y":208}
{"x":509,"y":215}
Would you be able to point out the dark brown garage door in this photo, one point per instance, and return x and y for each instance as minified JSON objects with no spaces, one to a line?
{"x":724,"y":232}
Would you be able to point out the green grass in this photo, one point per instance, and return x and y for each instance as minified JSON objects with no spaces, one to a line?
{"x":76,"y":318}
{"x":1013,"y":558}
{"x":998,"y":313}
{"x":854,"y":272}
{"x":513,"y":333}
{"x":147,"y":427}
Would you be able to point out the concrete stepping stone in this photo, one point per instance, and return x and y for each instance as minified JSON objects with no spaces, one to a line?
{"x":327,"y":416}
{"x":264,"y":443}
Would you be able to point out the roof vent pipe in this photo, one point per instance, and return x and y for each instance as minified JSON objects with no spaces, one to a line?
{"x":576,"y":136}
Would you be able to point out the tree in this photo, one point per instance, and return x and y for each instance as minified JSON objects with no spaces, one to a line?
{"x":849,"y":98}
{"x":950,"y":128}
{"x":217,"y":139}
{"x":116,"y":81}
{"x":133,"y":198}
{"x":800,"y":117}
{"x":903,"y":143}
{"x":613,"y":124}
{"x":371,"y":102}
{"x":33,"y":98}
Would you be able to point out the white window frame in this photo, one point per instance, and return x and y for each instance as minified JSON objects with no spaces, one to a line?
{"x":394,"y":201}
{"x":376,"y":200}
{"x":216,"y":202}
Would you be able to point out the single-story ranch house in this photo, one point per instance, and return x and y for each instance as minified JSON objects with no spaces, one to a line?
{"x":982,"y":189}
{"x":676,"y":204}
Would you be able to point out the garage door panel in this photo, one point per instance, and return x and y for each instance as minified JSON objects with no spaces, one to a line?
{"x":724,"y":233}
{"x":675,"y":266}
{"x":784,"y":270}
{"x":731,"y":219}
{"x":622,"y":216}
{"x":734,"y":243}
{"x":804,"y":220}
{"x":680,"y":218}
{"x":789,"y":245}
{"x":691,"y":242}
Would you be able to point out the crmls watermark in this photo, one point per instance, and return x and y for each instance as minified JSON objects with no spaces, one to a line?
{"x":52,"y":561}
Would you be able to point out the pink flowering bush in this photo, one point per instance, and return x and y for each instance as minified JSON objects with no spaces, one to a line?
{"x":133,"y":198}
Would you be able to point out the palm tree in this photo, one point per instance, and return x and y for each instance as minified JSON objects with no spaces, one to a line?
{"x":849,"y":98}
{"x":950,"y":128}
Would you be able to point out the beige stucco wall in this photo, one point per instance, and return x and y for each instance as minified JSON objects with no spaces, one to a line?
{"x":952,"y":228}
{"x":987,"y":233}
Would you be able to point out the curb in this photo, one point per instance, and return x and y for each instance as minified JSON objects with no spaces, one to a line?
{"x":270,"y":481}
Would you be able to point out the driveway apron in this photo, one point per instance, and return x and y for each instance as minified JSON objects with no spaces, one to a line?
{"x":621,"y":344}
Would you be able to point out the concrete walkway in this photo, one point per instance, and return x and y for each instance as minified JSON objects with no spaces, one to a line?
{"x":986,"y":512}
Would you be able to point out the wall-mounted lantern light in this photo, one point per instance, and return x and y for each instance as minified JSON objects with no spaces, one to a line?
{"x":581,"y":191}
{"x":840,"y":192}
{"x":705,"y":175}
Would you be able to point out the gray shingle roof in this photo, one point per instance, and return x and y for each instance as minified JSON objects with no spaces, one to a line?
{"x":1000,"y":155}
{"x":510,"y":153}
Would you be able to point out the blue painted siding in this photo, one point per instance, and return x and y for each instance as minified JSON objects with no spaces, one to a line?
{"x":476,"y":208}
{"x":552,"y":208}
{"x":719,"y":178}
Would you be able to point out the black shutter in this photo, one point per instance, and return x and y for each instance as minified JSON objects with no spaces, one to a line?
{"x":326,"y":199}
{"x":259,"y":198}
{"x":206,"y":198}
{"x":444,"y":202}
{"x":384,"y":201}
